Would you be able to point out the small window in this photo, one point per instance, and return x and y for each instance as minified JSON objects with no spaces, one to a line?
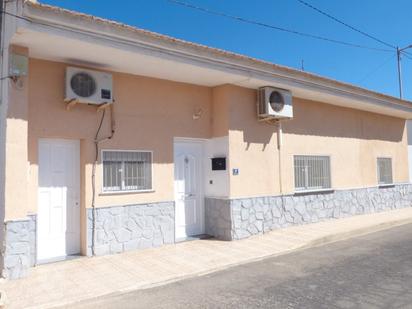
{"x":385,"y":171}
{"x":127,"y":171}
{"x":312,"y":172}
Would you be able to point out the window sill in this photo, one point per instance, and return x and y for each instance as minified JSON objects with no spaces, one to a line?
{"x":314,"y":191}
{"x":386,"y":185}
{"x":126,"y":192}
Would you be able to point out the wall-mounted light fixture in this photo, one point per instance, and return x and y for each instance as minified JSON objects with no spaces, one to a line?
{"x":197,"y":114}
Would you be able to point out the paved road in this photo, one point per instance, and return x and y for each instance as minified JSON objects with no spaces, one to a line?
{"x":372,"y":271}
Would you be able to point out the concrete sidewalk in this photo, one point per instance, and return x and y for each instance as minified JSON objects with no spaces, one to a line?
{"x":70,"y":281}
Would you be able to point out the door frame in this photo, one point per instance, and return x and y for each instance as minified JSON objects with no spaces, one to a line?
{"x":77,"y":142}
{"x":201,"y":142}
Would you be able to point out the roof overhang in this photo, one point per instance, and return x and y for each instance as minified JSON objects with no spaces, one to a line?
{"x":59,"y":35}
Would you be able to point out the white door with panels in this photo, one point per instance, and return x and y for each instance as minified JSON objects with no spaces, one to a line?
{"x":58,"y":219}
{"x":189,"y":204}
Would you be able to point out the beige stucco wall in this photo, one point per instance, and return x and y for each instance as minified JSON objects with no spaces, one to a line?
{"x":252,"y":147}
{"x":220,"y":110}
{"x":16,"y":154}
{"x":149,"y":113}
{"x":353,"y":139}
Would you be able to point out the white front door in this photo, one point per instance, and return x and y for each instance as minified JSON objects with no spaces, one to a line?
{"x":189,"y":216}
{"x":58,"y":219}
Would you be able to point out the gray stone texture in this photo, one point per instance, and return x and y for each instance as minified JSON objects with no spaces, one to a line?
{"x":130,"y":227}
{"x":19,"y":252}
{"x":218,"y":218}
{"x":240,"y":218}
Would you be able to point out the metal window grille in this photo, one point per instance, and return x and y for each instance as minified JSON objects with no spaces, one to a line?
{"x":312,"y":172}
{"x":385,"y":171}
{"x":127,"y":171}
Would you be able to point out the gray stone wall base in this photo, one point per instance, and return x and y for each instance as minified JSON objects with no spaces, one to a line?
{"x":130,"y":227}
{"x":19,"y":252}
{"x":240,"y":218}
{"x":218,"y":218}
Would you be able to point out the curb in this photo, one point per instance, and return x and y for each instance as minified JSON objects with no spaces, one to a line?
{"x":339,"y":236}
{"x":310,"y":244}
{"x":354,"y":233}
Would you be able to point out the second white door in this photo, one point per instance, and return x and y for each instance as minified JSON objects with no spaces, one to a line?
{"x":189,"y":209}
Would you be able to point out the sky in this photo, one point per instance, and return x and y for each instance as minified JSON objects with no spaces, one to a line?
{"x":388,"y":20}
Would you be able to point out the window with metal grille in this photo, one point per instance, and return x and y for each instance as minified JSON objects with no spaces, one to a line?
{"x":385,"y":171}
{"x":312,"y":172}
{"x":127,"y":170}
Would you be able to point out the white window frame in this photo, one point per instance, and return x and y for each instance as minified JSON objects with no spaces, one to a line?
{"x":109,"y":192}
{"x":383,"y":184}
{"x":312,"y":189}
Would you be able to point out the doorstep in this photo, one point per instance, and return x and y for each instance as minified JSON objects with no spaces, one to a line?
{"x":71,"y":281}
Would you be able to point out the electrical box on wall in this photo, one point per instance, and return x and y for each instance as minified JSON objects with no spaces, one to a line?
{"x":18,"y":65}
{"x":218,"y":164}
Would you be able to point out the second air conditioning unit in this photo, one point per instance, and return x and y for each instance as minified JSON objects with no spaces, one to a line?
{"x":274,"y":103}
{"x":88,"y":86}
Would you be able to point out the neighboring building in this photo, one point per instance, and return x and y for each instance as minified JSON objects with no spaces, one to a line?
{"x":409,"y":128}
{"x":177,"y":105}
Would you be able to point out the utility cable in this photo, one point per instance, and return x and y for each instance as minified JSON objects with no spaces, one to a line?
{"x":345,"y":24}
{"x":96,"y":144}
{"x":241,"y":19}
{"x":407,"y":55}
{"x":97,"y":140}
{"x":257,"y":23}
{"x":377,"y":68}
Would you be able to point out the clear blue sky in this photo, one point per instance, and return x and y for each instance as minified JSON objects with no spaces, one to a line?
{"x":389,"y":20}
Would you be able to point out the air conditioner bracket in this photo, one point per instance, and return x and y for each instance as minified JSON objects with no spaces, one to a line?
{"x":103,"y":106}
{"x":71,"y":103}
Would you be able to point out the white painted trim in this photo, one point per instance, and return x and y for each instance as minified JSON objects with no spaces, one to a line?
{"x":126,"y":38}
{"x":293,"y":192}
{"x":372,"y":187}
{"x":22,"y":219}
{"x":177,"y":139}
{"x":313,"y":191}
{"x":104,"y":192}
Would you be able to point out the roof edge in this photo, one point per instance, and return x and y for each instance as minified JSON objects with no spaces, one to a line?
{"x":33,"y":10}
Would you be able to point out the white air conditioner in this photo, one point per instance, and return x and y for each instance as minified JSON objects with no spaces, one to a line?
{"x":87,"y":86}
{"x":274,"y":103}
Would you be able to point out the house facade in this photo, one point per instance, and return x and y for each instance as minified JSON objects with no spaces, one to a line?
{"x":181,"y":151}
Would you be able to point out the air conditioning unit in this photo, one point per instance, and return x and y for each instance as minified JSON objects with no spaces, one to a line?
{"x":274,"y":103}
{"x":87,"y":86}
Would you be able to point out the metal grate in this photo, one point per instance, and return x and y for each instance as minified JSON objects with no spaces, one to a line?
{"x":83,"y":84}
{"x":312,"y":172}
{"x":385,"y":171}
{"x":127,"y":170}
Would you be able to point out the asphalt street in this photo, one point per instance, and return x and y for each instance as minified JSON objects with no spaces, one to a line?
{"x":371,"y":271}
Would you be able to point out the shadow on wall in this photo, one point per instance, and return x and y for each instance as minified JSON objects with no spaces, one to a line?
{"x":243,"y":118}
{"x":148,"y":112}
{"x":314,"y":119}
{"x":409,"y":126}
{"x":320,"y":119}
